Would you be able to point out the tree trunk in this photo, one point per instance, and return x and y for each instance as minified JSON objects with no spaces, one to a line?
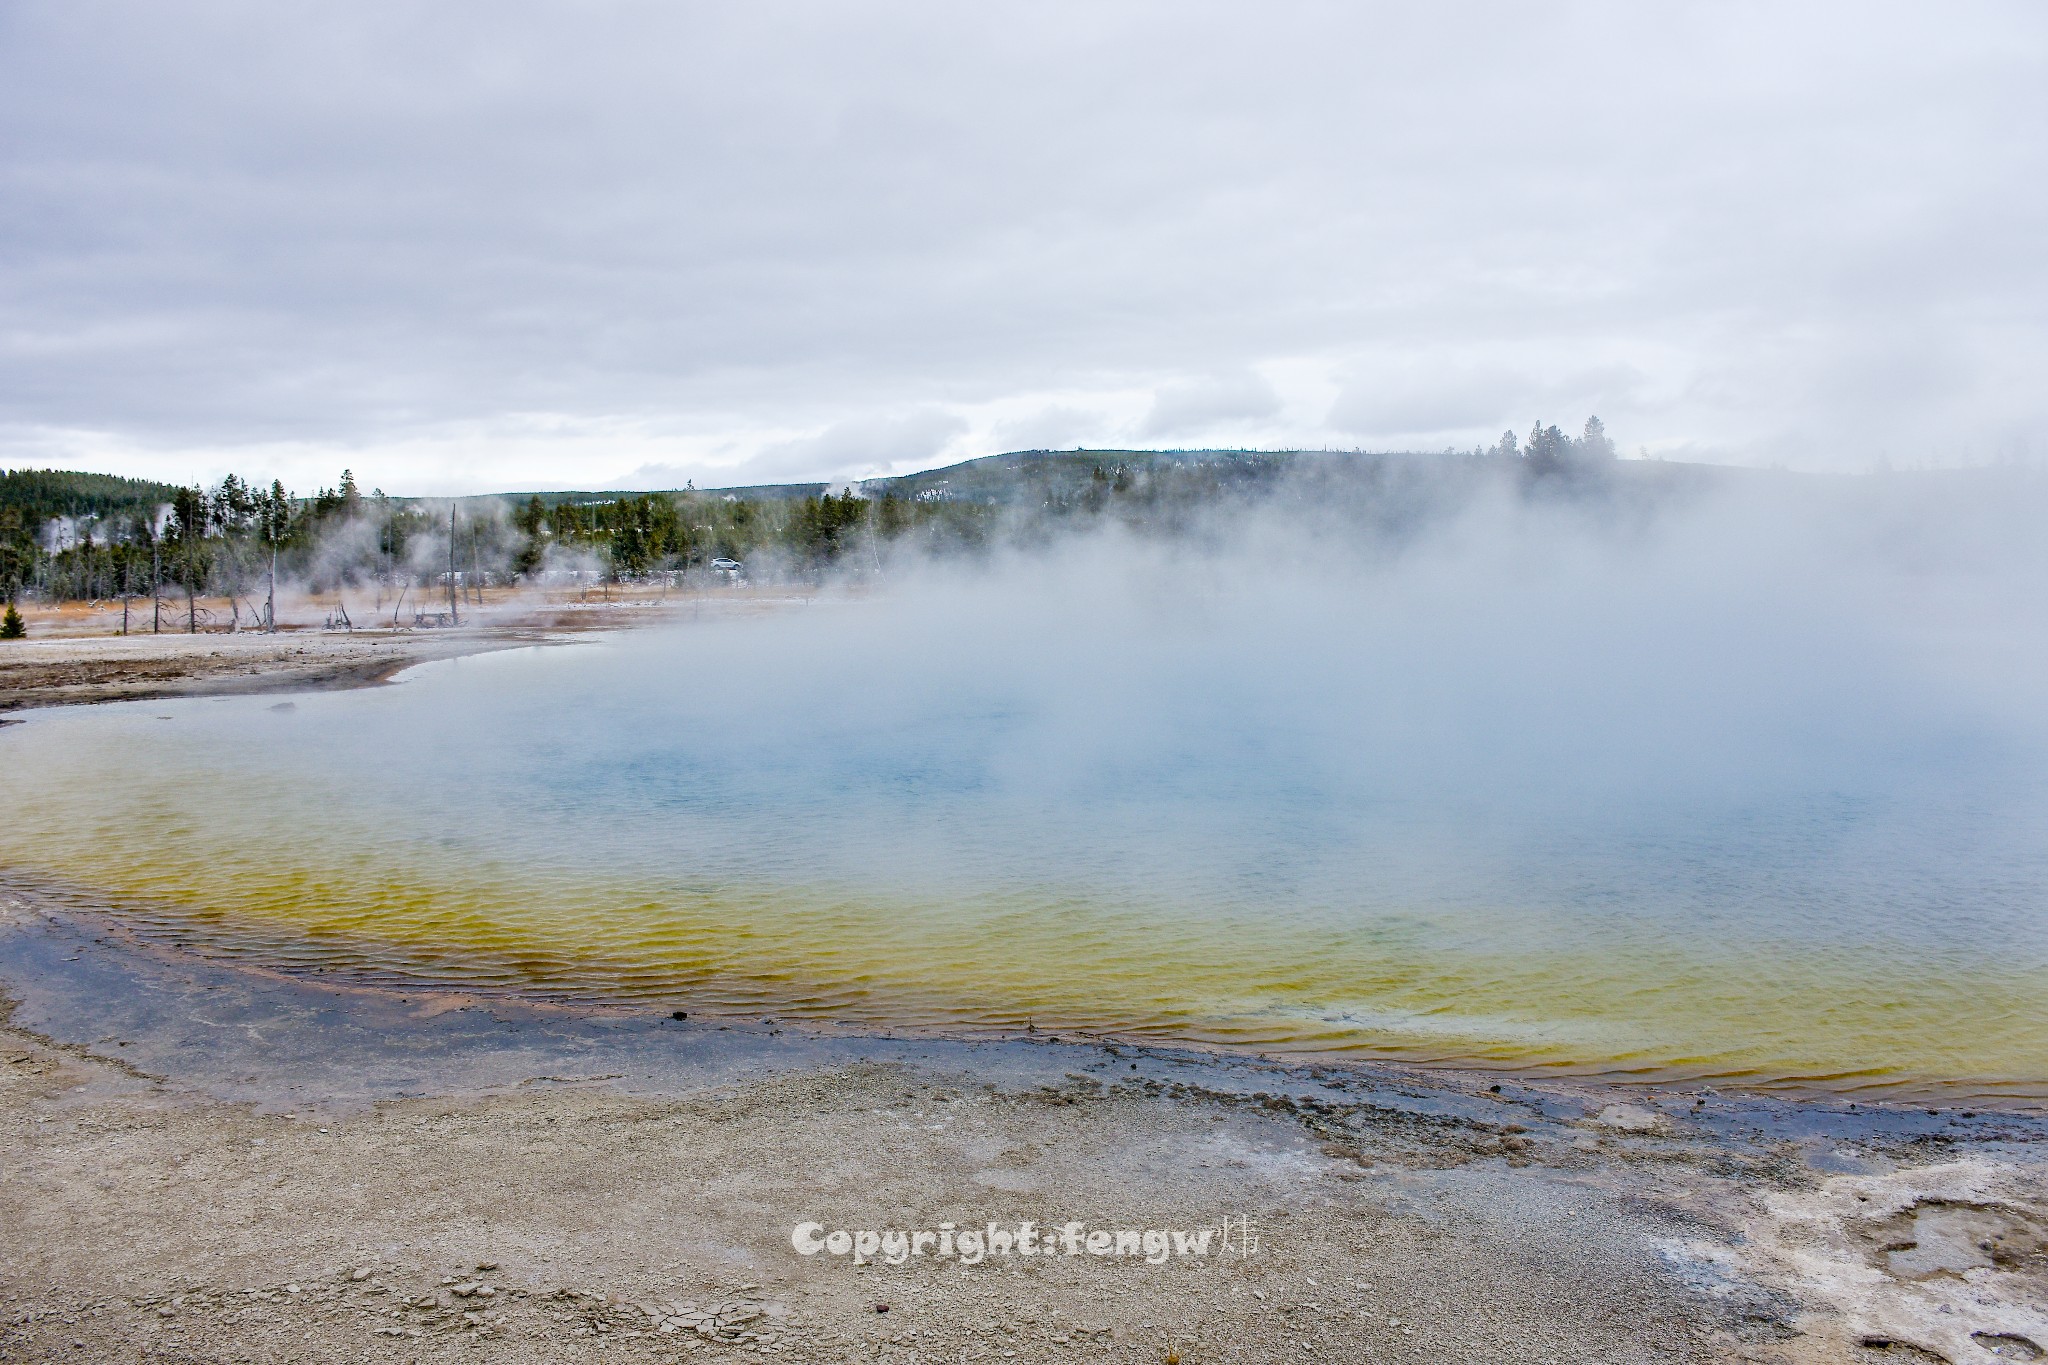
{"x":270,"y":602}
{"x":454,"y":614}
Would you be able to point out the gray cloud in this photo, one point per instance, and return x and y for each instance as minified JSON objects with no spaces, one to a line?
{"x":243,"y":235}
{"x":876,"y":443}
{"x":1194,"y":406}
{"x":1428,"y":399}
{"x":1420,"y":399}
{"x":1053,"y":427}
{"x":870,"y":444}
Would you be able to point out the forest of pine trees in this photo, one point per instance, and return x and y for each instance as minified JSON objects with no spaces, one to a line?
{"x":72,"y":536}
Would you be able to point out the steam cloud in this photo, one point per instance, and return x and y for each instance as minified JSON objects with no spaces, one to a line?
{"x":1838,"y":679}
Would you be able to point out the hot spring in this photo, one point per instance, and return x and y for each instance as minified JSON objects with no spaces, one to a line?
{"x":1738,"y":801}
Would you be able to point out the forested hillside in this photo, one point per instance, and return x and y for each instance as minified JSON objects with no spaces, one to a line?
{"x":70,"y":535}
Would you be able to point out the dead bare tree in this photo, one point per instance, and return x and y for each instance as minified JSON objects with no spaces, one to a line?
{"x":156,"y":583}
{"x":454,"y":615}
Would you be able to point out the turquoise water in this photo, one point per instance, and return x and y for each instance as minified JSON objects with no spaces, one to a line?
{"x":1637,"y":826}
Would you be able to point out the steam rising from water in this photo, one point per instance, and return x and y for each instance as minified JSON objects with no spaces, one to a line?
{"x":1751,"y":788}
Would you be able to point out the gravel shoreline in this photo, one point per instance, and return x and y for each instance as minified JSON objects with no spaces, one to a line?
{"x":88,"y":663}
{"x":40,"y":673}
{"x":214,"y":1163}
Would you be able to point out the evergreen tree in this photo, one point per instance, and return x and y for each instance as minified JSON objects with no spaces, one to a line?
{"x":1596,"y":444}
{"x":12,"y":627}
{"x":189,"y":517}
{"x":274,"y":521}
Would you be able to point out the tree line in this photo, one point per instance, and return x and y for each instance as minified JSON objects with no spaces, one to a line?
{"x":71,"y":536}
{"x":161,"y":548}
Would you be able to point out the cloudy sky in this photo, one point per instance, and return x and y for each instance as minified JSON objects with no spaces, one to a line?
{"x":474,"y":246}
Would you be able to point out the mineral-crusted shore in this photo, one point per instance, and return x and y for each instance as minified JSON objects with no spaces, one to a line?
{"x":209,"y":1164}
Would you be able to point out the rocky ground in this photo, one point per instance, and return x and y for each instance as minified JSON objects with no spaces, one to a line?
{"x":207,"y":1164}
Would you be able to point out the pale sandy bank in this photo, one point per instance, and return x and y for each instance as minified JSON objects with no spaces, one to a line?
{"x":202,"y":1164}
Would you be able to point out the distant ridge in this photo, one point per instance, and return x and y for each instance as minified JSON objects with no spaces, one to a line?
{"x":988,"y":479}
{"x":39,"y":494}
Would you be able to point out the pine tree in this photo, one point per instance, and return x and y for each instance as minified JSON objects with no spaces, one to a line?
{"x":275,"y":511}
{"x":12,"y":627}
{"x":1596,"y":444}
{"x":189,"y":516}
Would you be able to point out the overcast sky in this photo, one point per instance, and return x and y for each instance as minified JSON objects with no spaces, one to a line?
{"x":465,"y":247}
